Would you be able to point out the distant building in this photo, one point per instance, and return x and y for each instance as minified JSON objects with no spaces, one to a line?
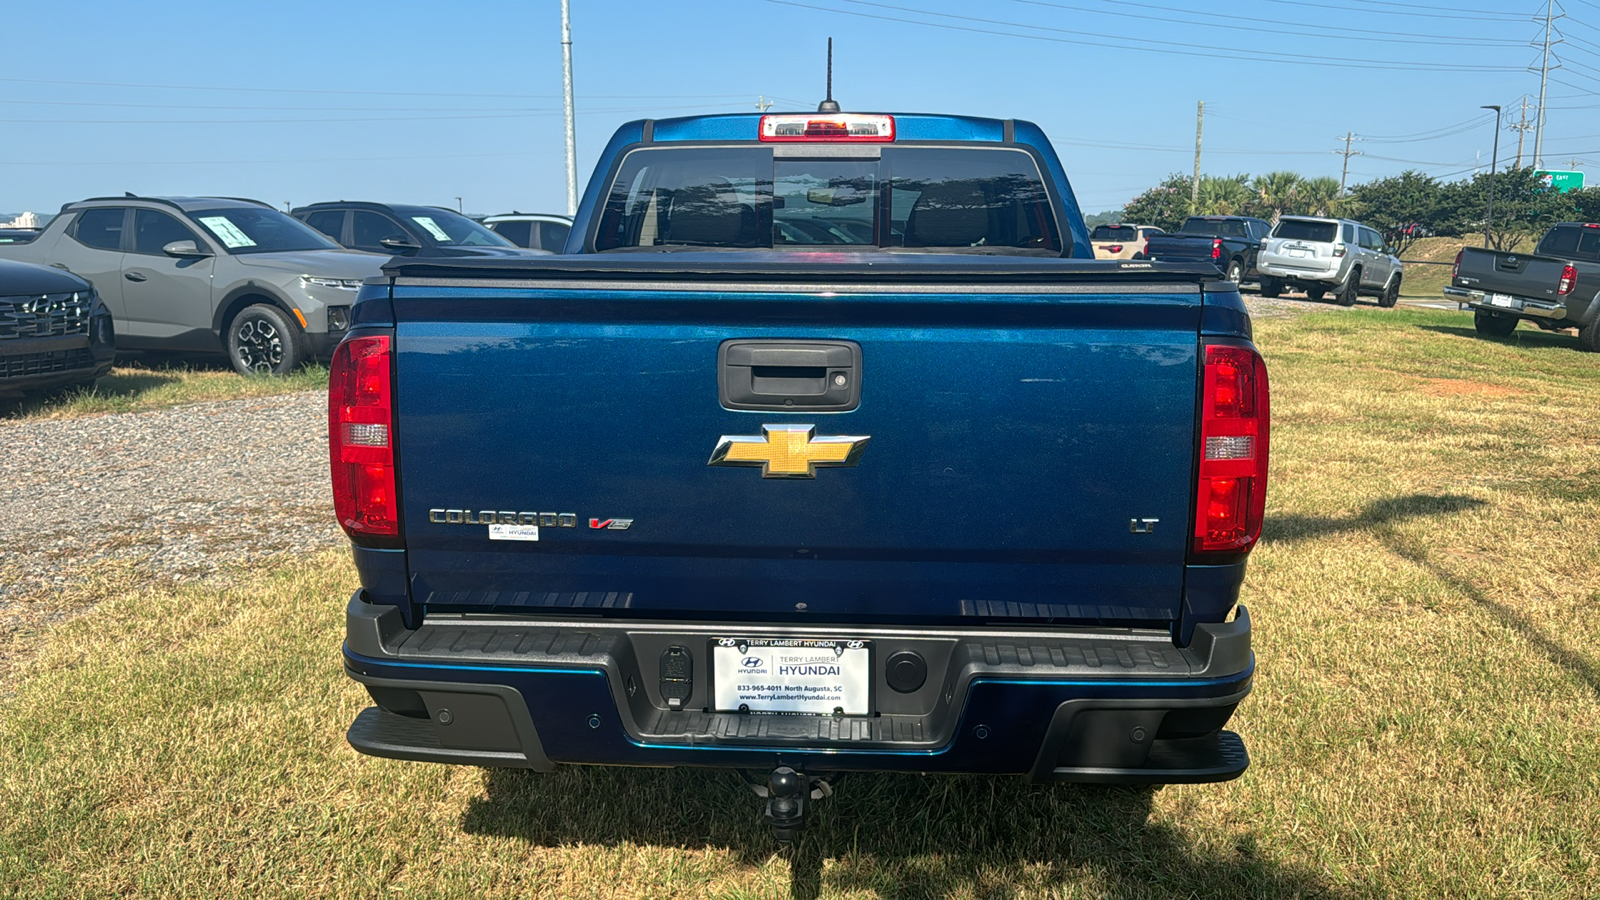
{"x":26,"y":220}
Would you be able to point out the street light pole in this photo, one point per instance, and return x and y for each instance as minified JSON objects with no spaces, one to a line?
{"x":1488,"y":219}
{"x":566,"y":88}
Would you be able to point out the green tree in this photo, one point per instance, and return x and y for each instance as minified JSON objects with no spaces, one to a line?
{"x":1523,"y":207}
{"x":1586,"y":204}
{"x":1165,"y":206}
{"x":1395,"y":204}
{"x":1276,"y":193}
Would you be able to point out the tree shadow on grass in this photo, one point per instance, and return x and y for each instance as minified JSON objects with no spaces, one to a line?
{"x":1384,"y":512}
{"x":1380,"y":519}
{"x":1522,"y":337}
{"x":897,"y":835}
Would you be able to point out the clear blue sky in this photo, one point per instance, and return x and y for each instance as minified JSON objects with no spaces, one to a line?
{"x":424,"y":102}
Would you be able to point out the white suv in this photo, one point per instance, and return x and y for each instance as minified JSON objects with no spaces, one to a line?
{"x":1322,"y":256}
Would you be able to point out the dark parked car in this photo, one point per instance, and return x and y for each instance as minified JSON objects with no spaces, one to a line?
{"x":54,"y":331}
{"x":401,"y":230}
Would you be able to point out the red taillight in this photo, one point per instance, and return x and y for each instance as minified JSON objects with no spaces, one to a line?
{"x":1456,"y":269}
{"x":827,"y":127}
{"x":1338,"y":251}
{"x":1569,"y":278}
{"x":361,"y":436}
{"x":1216,"y":248}
{"x":1231,"y":494}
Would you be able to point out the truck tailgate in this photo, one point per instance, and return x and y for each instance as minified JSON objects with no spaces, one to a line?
{"x":1514,"y":274}
{"x":1013,"y":434}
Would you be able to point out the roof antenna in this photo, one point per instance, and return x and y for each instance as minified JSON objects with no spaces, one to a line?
{"x":829,"y":105}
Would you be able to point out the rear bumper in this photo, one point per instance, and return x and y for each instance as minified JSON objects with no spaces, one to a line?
{"x":1305,"y":275}
{"x":1518,"y":306}
{"x":1097,"y":705}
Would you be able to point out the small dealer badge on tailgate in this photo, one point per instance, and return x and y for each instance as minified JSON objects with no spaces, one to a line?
{"x":788,"y":451}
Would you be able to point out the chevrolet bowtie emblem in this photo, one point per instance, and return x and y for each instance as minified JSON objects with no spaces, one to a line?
{"x":788,"y":451}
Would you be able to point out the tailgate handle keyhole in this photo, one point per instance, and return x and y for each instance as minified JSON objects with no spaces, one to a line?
{"x":802,"y":376}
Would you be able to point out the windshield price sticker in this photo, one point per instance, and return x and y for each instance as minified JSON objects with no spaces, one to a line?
{"x":433,"y":228}
{"x":227,"y":232}
{"x":792,"y":676}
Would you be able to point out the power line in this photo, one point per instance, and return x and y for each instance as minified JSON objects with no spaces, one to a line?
{"x":267,"y":90}
{"x":1428,"y":12}
{"x":1161,"y":46}
{"x":1364,"y":35}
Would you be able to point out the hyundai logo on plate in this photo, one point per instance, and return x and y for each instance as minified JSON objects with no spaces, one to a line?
{"x":752,"y":662}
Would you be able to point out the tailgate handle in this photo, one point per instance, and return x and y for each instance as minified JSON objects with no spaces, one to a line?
{"x":803,"y":376}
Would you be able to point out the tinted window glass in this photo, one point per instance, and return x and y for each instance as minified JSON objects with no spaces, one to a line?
{"x":519,"y":233}
{"x":451,"y":229}
{"x":100,"y":228}
{"x":1349,"y":233}
{"x":368,"y":228}
{"x":553,"y":235}
{"x":1114,"y":233}
{"x":1559,"y":241}
{"x":153,"y":229}
{"x":988,"y":200}
{"x":1589,"y":244}
{"x":328,"y":221}
{"x":1301,"y":230}
{"x":257,"y":229}
{"x":1222,"y":227}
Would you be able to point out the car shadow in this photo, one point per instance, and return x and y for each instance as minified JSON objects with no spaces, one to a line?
{"x":1522,"y":337}
{"x":895,"y":835}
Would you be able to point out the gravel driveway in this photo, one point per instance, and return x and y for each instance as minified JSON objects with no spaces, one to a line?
{"x":179,"y":493}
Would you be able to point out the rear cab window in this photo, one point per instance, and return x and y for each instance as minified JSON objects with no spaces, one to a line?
{"x":1572,"y":242}
{"x":1114,"y":233}
{"x":1218,"y":227}
{"x":986,"y":200}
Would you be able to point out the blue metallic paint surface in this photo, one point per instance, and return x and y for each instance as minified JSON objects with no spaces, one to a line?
{"x":1013,"y":437}
{"x":1017,"y":713}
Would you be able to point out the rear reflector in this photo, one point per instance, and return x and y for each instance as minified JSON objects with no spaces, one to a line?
{"x":827,"y":127}
{"x":1231,"y":493}
{"x":360,"y":437}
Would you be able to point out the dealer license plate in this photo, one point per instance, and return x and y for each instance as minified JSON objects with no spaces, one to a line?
{"x":791,"y":676}
{"x":1504,"y":300}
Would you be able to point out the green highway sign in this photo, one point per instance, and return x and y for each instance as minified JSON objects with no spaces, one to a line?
{"x":1561,"y":181}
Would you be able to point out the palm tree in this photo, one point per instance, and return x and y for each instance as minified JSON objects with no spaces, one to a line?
{"x":1221,"y":196}
{"x":1319,"y":197}
{"x":1277,"y":192}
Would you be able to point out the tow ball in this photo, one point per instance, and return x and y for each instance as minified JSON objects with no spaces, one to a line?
{"x":788,"y":794}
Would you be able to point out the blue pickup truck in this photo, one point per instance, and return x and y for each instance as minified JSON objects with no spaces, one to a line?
{"x":827,"y":447}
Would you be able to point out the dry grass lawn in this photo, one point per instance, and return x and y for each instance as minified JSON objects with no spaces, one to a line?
{"x":140,"y":384}
{"x":1425,"y":721}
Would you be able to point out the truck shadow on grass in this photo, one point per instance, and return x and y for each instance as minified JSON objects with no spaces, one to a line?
{"x":896,"y":835}
{"x":1523,"y":337}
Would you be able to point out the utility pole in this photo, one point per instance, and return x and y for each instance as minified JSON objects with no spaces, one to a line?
{"x":1488,"y":219}
{"x":1521,"y":129}
{"x":1194,"y":186}
{"x":1346,"y":153}
{"x":572,"y":134}
{"x":1572,"y":165}
{"x":1544,"y":78}
{"x":762,"y":103}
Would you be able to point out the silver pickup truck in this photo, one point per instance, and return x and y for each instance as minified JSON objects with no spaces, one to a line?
{"x":1555,"y":287}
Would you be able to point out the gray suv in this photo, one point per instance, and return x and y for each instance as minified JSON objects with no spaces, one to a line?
{"x":208,"y":274}
{"x":1323,"y":256}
